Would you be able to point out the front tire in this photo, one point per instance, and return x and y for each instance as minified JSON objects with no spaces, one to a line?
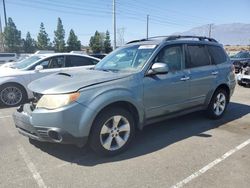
{"x":12,"y":95}
{"x":112,"y":132}
{"x":218,"y":104}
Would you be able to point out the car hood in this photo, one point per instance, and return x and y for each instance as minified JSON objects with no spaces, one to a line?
{"x":71,"y":81}
{"x":240,"y":59}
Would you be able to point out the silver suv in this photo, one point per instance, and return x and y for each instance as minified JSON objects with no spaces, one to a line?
{"x":143,"y":82}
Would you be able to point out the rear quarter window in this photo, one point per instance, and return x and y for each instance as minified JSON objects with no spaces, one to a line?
{"x":217,"y":54}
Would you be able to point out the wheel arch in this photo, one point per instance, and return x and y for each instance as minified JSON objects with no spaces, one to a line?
{"x":221,"y":86}
{"x":121,"y":104}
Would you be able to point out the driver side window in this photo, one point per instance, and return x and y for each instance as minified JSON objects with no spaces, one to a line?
{"x":54,"y":62}
{"x":172,"y":56}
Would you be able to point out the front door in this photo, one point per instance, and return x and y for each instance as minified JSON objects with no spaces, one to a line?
{"x":166,"y":93}
{"x":50,"y":65}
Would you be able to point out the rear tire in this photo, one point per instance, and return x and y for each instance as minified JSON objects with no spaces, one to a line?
{"x":218,"y":104}
{"x":112,"y":131}
{"x":12,"y":95}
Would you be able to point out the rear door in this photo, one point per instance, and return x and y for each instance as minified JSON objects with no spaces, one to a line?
{"x":201,"y":71}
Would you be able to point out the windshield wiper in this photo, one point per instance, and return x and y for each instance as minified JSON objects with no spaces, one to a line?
{"x":108,"y":70}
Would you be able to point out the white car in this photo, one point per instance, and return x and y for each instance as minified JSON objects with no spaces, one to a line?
{"x":243,"y":78}
{"x":15,"y":78}
{"x":7,"y":57}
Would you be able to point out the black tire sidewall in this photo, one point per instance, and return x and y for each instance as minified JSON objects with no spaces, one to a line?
{"x":210,"y":111}
{"x":95,"y":142}
{"x":24,"y":94}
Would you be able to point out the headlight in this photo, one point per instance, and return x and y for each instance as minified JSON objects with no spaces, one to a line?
{"x":57,"y":101}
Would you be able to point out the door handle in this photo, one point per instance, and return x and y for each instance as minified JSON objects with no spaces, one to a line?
{"x":215,"y":72}
{"x":185,"y":78}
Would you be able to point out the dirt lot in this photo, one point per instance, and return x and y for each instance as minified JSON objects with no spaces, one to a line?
{"x":189,"y":151}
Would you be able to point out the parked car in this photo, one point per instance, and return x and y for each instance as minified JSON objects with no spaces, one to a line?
{"x":15,"y":78}
{"x":7,"y":57}
{"x":143,"y":82}
{"x":240,"y":59}
{"x":243,"y":78}
{"x":100,"y":56}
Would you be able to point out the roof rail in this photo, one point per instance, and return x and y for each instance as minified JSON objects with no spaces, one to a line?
{"x":175,"y":37}
{"x":201,"y":38}
{"x":140,"y":40}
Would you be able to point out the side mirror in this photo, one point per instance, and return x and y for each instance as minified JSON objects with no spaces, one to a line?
{"x":38,"y":68}
{"x":158,"y":68}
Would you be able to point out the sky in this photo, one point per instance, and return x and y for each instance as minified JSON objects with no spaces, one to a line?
{"x":86,"y":16}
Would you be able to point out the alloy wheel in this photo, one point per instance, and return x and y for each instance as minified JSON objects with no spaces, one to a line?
{"x":115,"y":133}
{"x":11,"y":96}
{"x":219,"y":104}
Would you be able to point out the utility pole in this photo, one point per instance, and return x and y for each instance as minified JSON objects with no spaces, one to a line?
{"x":210,"y":30}
{"x":147,"y":25}
{"x":114,"y":23}
{"x":1,"y":36}
{"x":4,"y":9}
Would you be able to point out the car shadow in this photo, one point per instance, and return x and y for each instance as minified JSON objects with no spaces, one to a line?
{"x":153,"y":137}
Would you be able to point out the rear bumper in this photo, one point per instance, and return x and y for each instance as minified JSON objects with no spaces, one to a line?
{"x":23,"y":122}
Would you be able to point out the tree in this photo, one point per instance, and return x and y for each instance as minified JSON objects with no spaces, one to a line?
{"x":29,"y":44}
{"x":95,"y":43}
{"x":12,"y":37}
{"x":107,"y":43}
{"x":43,"y":40}
{"x":73,"y":42}
{"x":59,"y":37}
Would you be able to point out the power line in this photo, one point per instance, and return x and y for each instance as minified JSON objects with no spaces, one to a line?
{"x":66,"y":6}
{"x":149,"y":6}
{"x":57,"y":10}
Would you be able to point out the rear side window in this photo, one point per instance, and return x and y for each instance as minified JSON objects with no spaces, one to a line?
{"x":217,"y":54}
{"x":197,"y":56}
{"x":76,"y":61}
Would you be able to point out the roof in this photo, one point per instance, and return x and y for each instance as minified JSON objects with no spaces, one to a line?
{"x":62,"y":54}
{"x":159,"y":39}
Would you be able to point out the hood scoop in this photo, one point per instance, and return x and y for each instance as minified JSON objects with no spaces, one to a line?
{"x":64,"y":74}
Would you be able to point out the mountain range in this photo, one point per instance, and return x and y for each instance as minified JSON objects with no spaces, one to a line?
{"x":227,"y":34}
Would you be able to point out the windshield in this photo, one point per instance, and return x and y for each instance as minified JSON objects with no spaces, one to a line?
{"x":130,"y":58}
{"x":26,"y":62}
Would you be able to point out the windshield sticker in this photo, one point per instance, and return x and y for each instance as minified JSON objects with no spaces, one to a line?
{"x":147,"y":47}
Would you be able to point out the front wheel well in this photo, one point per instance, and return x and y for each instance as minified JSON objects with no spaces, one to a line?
{"x":127,"y":106}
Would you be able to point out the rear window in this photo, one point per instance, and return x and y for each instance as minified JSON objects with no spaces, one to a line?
{"x":198,"y":56}
{"x":217,"y":54}
{"x":76,"y":61}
